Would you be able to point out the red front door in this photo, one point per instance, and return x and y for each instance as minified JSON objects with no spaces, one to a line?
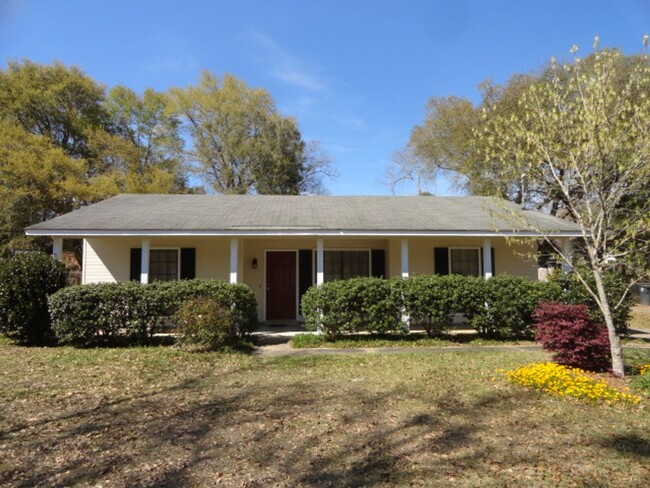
{"x":281,"y":285}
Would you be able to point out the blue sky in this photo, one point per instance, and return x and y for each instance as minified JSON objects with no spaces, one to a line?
{"x":356,"y":74}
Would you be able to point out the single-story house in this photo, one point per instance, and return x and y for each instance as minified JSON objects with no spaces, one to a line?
{"x":282,"y":245}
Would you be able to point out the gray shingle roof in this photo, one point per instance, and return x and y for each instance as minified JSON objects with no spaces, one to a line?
{"x":250,"y":214}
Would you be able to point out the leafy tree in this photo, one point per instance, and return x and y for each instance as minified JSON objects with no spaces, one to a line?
{"x":151,"y":146}
{"x":450,"y":140}
{"x":582,"y":136}
{"x":65,"y":144}
{"x":240,"y":141}
{"x":56,"y":101}
{"x":38,"y":181}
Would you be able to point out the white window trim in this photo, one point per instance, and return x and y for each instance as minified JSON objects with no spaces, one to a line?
{"x":313,"y":263}
{"x":178,"y":256}
{"x":475,"y":248}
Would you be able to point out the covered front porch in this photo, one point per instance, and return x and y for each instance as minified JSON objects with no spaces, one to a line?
{"x":280,"y":269}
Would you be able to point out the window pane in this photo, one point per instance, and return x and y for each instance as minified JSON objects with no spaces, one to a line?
{"x":465,"y":262}
{"x":355,"y":264}
{"x":163,"y":264}
{"x":343,"y":265}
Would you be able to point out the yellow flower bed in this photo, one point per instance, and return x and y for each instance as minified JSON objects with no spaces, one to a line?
{"x":567,"y":382}
{"x":644,"y":369}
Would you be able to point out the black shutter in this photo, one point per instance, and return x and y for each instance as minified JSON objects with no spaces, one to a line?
{"x":304,"y":271}
{"x":378,"y":263}
{"x":441,"y":260}
{"x":188,"y":263}
{"x":136,"y":264}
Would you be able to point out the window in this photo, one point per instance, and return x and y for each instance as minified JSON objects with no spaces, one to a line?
{"x":342,"y":265}
{"x":163,"y":265}
{"x":464,"y":262}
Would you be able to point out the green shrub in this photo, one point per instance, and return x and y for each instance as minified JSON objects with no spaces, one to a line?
{"x":171,"y":295}
{"x":205,"y":323}
{"x":327,"y":309}
{"x":574,"y":292}
{"x":468,"y":294}
{"x":432,"y":300}
{"x":500,"y":307}
{"x":100,"y":313}
{"x":346,"y":306}
{"x":508,"y":304}
{"x":382,"y":305}
{"x":26,"y":280}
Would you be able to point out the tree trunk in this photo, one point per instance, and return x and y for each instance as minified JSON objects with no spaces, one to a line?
{"x":615,"y":347}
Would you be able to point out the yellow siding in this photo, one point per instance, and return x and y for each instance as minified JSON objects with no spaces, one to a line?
{"x":512,"y":259}
{"x":107,"y":259}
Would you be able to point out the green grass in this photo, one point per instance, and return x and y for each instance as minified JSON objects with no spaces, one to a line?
{"x":362,"y":341}
{"x":640,"y":319}
{"x":163,"y":417}
{"x":636,"y":357}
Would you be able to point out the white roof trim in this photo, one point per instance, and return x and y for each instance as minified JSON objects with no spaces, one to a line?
{"x":292,"y":233}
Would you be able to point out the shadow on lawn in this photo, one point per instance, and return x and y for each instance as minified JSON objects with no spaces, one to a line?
{"x":90,"y":443}
{"x":225,"y":427}
{"x":628,"y":443}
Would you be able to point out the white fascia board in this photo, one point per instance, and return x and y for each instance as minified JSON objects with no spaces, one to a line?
{"x":292,"y":233}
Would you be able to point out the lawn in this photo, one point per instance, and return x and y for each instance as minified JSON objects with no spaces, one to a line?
{"x":359,"y":341}
{"x":161,"y":417}
{"x":640,"y":319}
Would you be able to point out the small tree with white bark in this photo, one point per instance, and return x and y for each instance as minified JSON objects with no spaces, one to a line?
{"x":584,"y":135}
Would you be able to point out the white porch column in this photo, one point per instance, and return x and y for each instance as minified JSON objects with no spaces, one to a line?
{"x":487,"y":259}
{"x":234,"y":259}
{"x":144,"y":261}
{"x":57,"y":247}
{"x":404,"y":254}
{"x":320,"y":268}
{"x":567,"y":251}
{"x":405,"y":258}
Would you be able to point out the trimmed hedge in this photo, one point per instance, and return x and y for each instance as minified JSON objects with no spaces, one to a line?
{"x":432,"y":300}
{"x":508,"y":305}
{"x":346,"y":306}
{"x":26,"y":280}
{"x":500,"y":307}
{"x":87,"y":315}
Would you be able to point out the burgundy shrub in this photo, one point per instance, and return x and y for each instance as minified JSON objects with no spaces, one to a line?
{"x":572,"y":336}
